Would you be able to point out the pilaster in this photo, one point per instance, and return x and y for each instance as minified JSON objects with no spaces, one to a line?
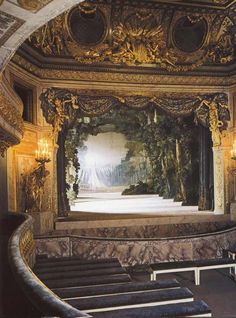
{"x":219,"y":195}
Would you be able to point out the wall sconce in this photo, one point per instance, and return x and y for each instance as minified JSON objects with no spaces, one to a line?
{"x":42,"y":155}
{"x":233,"y":151}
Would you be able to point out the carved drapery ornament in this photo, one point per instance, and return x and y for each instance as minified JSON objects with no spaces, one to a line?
{"x":62,"y":107}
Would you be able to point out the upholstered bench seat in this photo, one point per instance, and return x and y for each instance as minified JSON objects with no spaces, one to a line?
{"x":87,"y":281}
{"x":190,"y":309}
{"x":196,"y":266}
{"x":213,"y":264}
{"x":53,"y":262}
{"x":172,"y":267}
{"x":47,"y":277}
{"x":135,"y":299}
{"x":63,"y":268}
{"x":107,"y":289}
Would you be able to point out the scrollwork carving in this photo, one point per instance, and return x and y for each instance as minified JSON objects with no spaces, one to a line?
{"x":13,"y":118}
{"x":58,"y":107}
{"x":95,"y":106}
{"x":141,"y":37}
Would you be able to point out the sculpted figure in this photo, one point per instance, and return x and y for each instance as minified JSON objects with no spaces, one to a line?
{"x":214,"y":121}
{"x":33,"y":188}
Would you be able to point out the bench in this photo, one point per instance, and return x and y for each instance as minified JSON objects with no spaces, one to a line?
{"x":190,"y":309}
{"x":195,"y":266}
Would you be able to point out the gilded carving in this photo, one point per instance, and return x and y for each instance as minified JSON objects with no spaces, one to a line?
{"x":58,"y":112}
{"x":62,"y":107}
{"x":33,"y":5}
{"x":11,"y":122}
{"x":32,"y":188}
{"x":140,"y":37}
{"x":27,"y":247}
{"x":213,"y":112}
{"x":13,"y":118}
{"x":222,"y":51}
{"x":215,"y":124}
{"x":116,"y":77}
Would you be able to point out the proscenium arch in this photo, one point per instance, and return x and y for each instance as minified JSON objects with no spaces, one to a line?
{"x":61,"y":108}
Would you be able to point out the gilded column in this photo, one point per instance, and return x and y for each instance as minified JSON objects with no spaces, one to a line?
{"x":219,"y":195}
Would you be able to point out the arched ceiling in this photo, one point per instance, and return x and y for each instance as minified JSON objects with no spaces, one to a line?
{"x":19,"y":18}
{"x":162,"y":36}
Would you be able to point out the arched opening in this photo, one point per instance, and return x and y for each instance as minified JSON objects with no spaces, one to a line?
{"x":173,"y":143}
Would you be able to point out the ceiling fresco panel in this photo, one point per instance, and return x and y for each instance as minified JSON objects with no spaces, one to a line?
{"x":8,"y":25}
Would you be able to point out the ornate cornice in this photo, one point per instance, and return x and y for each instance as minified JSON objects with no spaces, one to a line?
{"x":122,"y":77}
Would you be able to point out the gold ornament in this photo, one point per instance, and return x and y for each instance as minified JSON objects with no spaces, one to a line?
{"x":32,"y":188}
{"x":32,"y":5}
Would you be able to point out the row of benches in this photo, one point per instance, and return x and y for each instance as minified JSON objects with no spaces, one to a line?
{"x":103,"y":289}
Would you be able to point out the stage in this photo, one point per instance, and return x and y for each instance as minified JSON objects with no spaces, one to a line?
{"x":114,"y":202}
{"x":111,"y":209}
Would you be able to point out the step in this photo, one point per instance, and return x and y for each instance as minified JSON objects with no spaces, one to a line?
{"x":189,"y":309}
{"x":88,"y":281}
{"x":71,"y":261}
{"x":134,"y":299}
{"x":81,"y":273}
{"x":67,"y":268}
{"x":114,"y":289}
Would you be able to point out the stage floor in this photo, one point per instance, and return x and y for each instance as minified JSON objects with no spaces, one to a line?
{"x":114,"y":202}
{"x":111,"y":209}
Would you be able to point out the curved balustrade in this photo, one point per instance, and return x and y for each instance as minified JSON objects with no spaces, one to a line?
{"x":21,"y":252}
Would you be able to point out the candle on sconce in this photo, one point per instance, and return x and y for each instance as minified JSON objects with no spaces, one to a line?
{"x":42,"y":155}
